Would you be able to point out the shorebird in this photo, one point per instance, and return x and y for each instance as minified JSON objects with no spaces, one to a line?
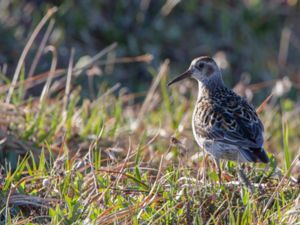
{"x":224,"y":124}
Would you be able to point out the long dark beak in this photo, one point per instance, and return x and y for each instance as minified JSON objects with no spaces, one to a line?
{"x":186,"y":74}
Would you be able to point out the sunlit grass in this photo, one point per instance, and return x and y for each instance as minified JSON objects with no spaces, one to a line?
{"x":91,"y":165}
{"x":131,"y":158}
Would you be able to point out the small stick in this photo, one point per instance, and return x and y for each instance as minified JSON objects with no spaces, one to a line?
{"x":263,"y":104}
{"x":26,"y":50}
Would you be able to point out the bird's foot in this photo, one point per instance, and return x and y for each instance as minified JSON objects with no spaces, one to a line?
{"x":244,"y":180}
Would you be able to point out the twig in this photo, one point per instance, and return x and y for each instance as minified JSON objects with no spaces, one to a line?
{"x":261,"y":85}
{"x":52,"y":72}
{"x":91,"y":198}
{"x":37,"y":79}
{"x":96,"y":58}
{"x":263,"y":104}
{"x":40,"y":50}
{"x":68,"y":82}
{"x":279,"y":185}
{"x":125,"y":162}
{"x":141,"y":58}
{"x":42,"y":77}
{"x":162,"y":71}
{"x":26,"y":50}
{"x":152,"y":195}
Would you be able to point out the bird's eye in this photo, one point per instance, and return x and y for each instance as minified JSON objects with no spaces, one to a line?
{"x":200,"y":65}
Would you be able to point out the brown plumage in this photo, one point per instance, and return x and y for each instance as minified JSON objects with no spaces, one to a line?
{"x":224,"y":124}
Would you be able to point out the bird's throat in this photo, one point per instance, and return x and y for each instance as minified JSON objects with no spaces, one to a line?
{"x":209,"y":87}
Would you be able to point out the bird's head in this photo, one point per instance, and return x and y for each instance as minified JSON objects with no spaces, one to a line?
{"x":204,"y":69}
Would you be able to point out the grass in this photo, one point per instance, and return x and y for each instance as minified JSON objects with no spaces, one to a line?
{"x":116,"y":160}
{"x":91,"y":165}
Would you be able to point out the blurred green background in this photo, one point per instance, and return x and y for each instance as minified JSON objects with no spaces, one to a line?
{"x":256,"y":41}
{"x":111,"y":145}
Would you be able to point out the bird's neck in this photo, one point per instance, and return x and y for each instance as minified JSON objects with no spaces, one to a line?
{"x":209,"y":87}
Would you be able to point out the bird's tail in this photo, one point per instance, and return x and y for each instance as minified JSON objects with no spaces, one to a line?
{"x":255,"y":155}
{"x":261,"y":155}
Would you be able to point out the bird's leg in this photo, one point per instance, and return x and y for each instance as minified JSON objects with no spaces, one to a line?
{"x":243,"y":178}
{"x":217,"y":162}
{"x":204,"y":166}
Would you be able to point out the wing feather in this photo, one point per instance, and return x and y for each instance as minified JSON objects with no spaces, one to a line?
{"x":229,"y":119}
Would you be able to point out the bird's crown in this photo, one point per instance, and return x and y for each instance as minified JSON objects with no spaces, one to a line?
{"x":204,"y":65}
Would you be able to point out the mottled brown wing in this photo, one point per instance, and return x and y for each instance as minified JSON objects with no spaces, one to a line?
{"x":230,"y":120}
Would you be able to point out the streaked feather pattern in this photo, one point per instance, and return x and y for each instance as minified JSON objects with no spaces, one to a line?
{"x":222,"y":116}
{"x":224,"y":124}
